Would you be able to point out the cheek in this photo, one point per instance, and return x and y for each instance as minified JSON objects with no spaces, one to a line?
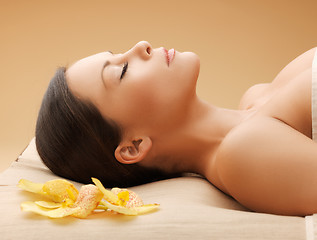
{"x":134,"y":103}
{"x":144,"y":98}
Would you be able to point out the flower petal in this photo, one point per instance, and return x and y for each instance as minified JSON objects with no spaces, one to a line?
{"x":146,"y":208}
{"x":87,"y":200}
{"x":120,"y":209}
{"x":59,"y":190}
{"x":31,"y":186}
{"x":50,"y":205}
{"x":56,"y":213}
{"x":128,"y":211}
{"x":101,"y":206}
{"x":108,"y":195}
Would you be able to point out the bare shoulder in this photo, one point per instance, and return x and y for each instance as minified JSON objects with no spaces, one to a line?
{"x":295,"y":67}
{"x":264,"y":164}
{"x":258,"y":94}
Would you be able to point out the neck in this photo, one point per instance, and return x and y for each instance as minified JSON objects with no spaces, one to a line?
{"x":193,"y":143}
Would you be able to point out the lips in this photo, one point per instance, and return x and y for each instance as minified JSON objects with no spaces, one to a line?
{"x":170,"y":54}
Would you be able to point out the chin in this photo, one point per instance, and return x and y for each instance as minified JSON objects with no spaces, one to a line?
{"x":192,"y":58}
{"x":194,"y":63}
{"x":187,"y":65}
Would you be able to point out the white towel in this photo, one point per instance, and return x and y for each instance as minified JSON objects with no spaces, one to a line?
{"x":310,"y":232}
{"x":314,"y":98}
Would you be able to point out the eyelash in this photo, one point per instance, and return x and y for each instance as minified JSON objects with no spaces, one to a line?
{"x":124,"y":69}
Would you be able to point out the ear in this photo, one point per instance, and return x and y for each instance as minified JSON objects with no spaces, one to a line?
{"x":134,"y":151}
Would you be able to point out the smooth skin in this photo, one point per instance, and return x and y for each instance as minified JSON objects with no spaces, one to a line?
{"x":261,"y":154}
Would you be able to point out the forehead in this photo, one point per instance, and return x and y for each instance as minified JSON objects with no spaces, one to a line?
{"x":87,"y":64}
{"x":84,"y":76}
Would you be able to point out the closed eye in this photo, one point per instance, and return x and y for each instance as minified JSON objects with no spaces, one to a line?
{"x":124,"y":69}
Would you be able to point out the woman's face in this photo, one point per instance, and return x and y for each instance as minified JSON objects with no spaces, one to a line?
{"x":141,"y":87}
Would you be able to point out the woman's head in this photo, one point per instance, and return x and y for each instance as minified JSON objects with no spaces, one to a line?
{"x":102,"y":120}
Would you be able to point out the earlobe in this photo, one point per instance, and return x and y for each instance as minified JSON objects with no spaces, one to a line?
{"x":129,"y":152}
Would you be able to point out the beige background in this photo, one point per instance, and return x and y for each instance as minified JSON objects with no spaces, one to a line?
{"x":240,"y":43}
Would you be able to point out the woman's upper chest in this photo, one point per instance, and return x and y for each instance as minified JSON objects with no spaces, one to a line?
{"x":289,"y":102}
{"x":288,"y":97}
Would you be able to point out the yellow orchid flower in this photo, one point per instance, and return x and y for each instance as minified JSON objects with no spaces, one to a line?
{"x":123,"y":201}
{"x":127,"y":198}
{"x":58,"y":190}
{"x":66,"y":200}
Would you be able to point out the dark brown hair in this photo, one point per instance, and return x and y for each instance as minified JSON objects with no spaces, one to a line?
{"x":74,"y":141}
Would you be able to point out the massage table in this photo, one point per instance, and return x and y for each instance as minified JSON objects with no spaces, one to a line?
{"x":190,"y":208}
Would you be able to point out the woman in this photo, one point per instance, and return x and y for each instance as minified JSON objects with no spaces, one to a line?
{"x":135,"y":117}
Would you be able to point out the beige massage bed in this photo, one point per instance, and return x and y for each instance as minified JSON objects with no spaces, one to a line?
{"x":191,"y":208}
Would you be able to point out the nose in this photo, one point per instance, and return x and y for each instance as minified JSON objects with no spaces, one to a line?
{"x":143,"y":49}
